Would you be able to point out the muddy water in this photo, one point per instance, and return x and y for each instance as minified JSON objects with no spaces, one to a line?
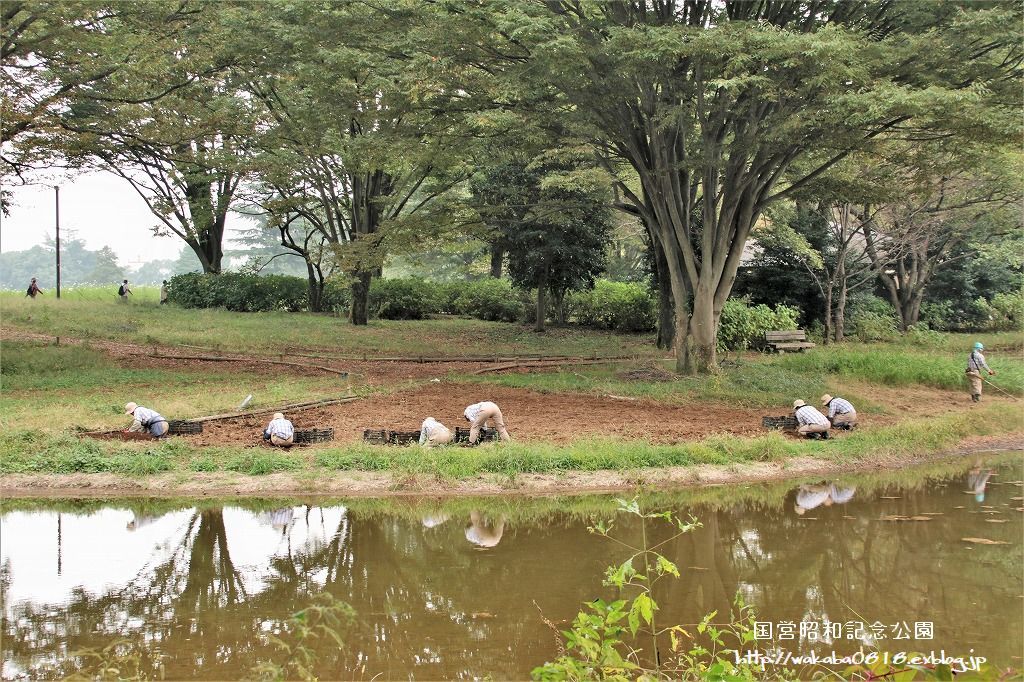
{"x":193,"y":589}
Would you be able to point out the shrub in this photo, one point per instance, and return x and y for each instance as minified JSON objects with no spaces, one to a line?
{"x":490,"y":299}
{"x":872,"y":318}
{"x":1007,"y":312}
{"x":614,"y":305}
{"x":404,"y":299}
{"x":742,"y":325}
{"x":238,"y":292}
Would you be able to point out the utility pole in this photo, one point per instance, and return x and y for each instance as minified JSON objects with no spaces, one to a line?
{"x":56,"y":198}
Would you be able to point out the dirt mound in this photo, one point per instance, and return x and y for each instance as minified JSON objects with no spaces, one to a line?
{"x":529,"y":415}
{"x":647,"y":373}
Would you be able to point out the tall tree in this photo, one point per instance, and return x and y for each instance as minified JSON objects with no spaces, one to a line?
{"x":722,"y":108}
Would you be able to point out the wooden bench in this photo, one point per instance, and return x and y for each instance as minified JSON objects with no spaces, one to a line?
{"x":780,"y":342}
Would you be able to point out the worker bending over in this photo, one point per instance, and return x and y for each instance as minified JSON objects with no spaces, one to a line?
{"x":479,"y":414}
{"x":146,"y":420}
{"x":279,"y":431}
{"x":433,"y":432}
{"x":976,"y":363}
{"x":810,"y":422}
{"x":840,"y":412}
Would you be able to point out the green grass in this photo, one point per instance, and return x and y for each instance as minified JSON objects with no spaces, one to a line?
{"x":143,"y":320}
{"x":55,"y":388}
{"x":33,"y":452}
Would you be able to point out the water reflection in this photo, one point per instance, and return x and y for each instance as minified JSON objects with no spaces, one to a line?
{"x":448,"y":590}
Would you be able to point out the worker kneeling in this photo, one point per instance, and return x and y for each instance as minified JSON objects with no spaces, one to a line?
{"x":810,"y":422}
{"x":433,"y":432}
{"x":840,"y":412}
{"x":146,"y":420}
{"x":479,"y":414}
{"x":279,"y":431}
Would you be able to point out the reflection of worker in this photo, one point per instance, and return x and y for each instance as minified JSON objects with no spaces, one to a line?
{"x":977,"y":479}
{"x":479,"y":414}
{"x":481,"y":533}
{"x":433,"y":432}
{"x":279,"y":519}
{"x":279,"y":431}
{"x":976,"y":363}
{"x":840,"y":412}
{"x":142,"y":520}
{"x":813,"y":496}
{"x":810,"y":422}
{"x":434,"y":520}
{"x":146,"y":420}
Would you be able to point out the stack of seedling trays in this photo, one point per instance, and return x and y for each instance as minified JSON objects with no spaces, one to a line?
{"x":179,"y":427}
{"x":785,"y":423}
{"x":306,"y":436}
{"x":462,"y":435}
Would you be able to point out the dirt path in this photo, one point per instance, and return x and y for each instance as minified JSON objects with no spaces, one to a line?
{"x":384,"y":484}
{"x":529,"y":415}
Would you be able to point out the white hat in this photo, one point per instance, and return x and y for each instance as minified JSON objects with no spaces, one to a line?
{"x":278,"y":415}
{"x":130,"y":408}
{"x":798,"y":403}
{"x":826,"y":399}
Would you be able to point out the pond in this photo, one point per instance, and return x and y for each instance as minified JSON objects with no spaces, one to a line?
{"x":471,"y":587}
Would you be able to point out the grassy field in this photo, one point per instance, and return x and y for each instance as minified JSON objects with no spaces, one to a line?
{"x":48,"y":391}
{"x":97,"y":315}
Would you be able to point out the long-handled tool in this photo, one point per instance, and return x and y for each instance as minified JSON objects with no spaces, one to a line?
{"x":1006,"y":393}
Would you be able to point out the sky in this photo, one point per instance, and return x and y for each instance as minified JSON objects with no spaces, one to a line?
{"x":101,"y":208}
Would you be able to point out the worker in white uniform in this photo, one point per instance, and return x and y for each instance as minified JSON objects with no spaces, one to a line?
{"x":479,"y":414}
{"x":433,"y":433}
{"x":146,"y":420}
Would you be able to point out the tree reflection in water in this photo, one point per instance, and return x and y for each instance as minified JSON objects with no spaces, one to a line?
{"x":451,"y":593}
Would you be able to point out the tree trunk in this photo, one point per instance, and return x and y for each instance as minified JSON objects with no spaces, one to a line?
{"x":497,"y":259}
{"x":542,"y":295}
{"x":828,"y":313}
{"x":316,"y":288}
{"x":558,"y":304}
{"x":840,"y":326}
{"x":700,"y":343}
{"x":359,"y":310}
{"x":666,"y":318}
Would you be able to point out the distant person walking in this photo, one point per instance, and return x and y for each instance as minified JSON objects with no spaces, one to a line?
{"x":840,"y":412}
{"x":146,"y":420}
{"x":279,"y":431}
{"x":479,"y":414}
{"x":976,"y":363}
{"x":124,"y":291}
{"x":33,"y":289}
{"x":433,"y":433}
{"x":163,"y":293}
{"x":810,"y":422}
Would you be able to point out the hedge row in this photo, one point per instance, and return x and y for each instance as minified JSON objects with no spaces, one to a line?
{"x":609,"y":305}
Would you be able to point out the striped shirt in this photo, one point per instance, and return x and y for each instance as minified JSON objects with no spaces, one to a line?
{"x":809,"y":415}
{"x":145,"y":418}
{"x":839,"y":406}
{"x":473,"y":411}
{"x":976,"y":362}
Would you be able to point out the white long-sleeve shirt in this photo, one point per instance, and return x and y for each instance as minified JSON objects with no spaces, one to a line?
{"x":145,"y":418}
{"x":282,"y":428}
{"x":808,"y":414}
{"x":427,"y":429}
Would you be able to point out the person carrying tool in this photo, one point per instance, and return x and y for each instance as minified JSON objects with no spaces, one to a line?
{"x":976,"y":363}
{"x":33,"y":289}
{"x":279,"y":431}
{"x":124,"y":291}
{"x":810,"y":422}
{"x":433,"y":433}
{"x":478,"y":415}
{"x":840,"y":412}
{"x":146,"y":420}
{"x":163,"y":293}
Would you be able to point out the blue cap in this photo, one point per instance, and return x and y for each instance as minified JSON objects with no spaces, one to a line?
{"x":979,"y":497}
{"x":978,"y":346}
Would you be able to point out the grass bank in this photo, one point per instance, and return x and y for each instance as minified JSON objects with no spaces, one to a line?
{"x":144,"y":321}
{"x":481,"y":469}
